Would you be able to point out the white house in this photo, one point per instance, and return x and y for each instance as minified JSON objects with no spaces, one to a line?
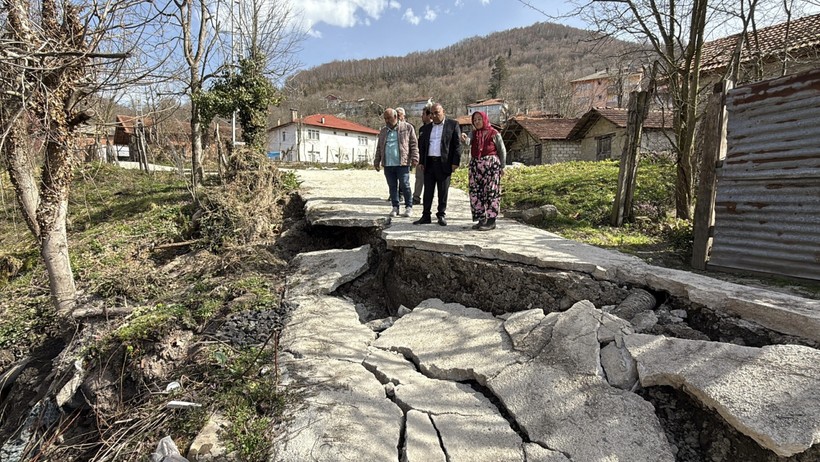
{"x":322,"y":138}
{"x":496,"y":110}
{"x":416,"y":106}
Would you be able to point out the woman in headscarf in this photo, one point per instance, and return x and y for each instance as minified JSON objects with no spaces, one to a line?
{"x":487,"y":153}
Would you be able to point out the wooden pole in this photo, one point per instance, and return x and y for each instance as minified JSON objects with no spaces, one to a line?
{"x":625,"y":192}
{"x":714,"y":151}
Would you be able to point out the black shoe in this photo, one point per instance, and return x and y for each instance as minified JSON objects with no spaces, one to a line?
{"x":480,"y":223}
{"x":490,"y":224}
{"x":416,"y":201}
{"x":423,"y":221}
{"x":442,"y":221}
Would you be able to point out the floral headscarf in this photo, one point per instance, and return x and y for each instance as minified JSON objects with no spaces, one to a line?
{"x":481,"y":136}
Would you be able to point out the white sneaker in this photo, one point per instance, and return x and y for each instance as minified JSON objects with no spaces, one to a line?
{"x":394,"y":212}
{"x":408,"y":212}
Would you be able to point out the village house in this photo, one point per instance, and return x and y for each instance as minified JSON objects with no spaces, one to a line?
{"x":496,"y":110}
{"x":322,"y":138}
{"x":125,"y":131}
{"x":332,"y":101}
{"x":605,"y":88}
{"x":774,"y":51}
{"x":416,"y":106}
{"x":602,"y":133}
{"x":535,"y":140}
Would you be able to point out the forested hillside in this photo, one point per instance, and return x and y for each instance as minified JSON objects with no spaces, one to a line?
{"x":540,"y":61}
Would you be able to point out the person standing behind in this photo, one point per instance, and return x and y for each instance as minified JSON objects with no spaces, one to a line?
{"x":403,"y":118}
{"x":487,"y":156}
{"x":440,"y":155}
{"x":397,"y":150}
{"x":419,"y":186}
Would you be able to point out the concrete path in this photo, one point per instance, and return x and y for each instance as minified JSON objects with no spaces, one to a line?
{"x":452,"y":382}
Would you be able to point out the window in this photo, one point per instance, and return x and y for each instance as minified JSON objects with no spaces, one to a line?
{"x":604,"y":150}
{"x":313,"y":134}
{"x":362,"y":141}
{"x":283,"y":135}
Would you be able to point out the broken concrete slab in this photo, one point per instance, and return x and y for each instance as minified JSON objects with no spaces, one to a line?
{"x":308,"y":333}
{"x":580,"y":415}
{"x":207,"y":446}
{"x":612,"y":327}
{"x":620,"y":369}
{"x":478,"y":438}
{"x":574,"y":343}
{"x":771,"y":394}
{"x":421,"y":442}
{"x":322,"y":272}
{"x":530,"y":330}
{"x":450,"y":341}
{"x":391,"y":367}
{"x":342,"y":414}
{"x":439,"y":397}
{"x":562,"y":402}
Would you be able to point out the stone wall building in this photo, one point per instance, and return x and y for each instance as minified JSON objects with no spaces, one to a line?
{"x":540,"y":140}
{"x":601,"y":133}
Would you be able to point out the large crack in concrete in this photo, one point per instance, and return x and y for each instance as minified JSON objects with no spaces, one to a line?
{"x":401,"y":277}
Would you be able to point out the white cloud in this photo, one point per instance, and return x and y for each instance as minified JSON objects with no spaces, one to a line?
{"x":315,"y":33}
{"x":459,"y":2}
{"x":411,"y":17}
{"x":430,"y":14}
{"x":341,"y":13}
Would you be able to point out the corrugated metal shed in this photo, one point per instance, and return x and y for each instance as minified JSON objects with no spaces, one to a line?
{"x":767,"y":207}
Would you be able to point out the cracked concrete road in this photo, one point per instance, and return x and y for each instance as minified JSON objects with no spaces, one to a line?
{"x":450,"y":382}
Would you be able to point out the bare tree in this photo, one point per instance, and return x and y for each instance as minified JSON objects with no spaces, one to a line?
{"x":674,"y":31}
{"x":273,"y":28}
{"x":48,"y":67}
{"x":210,"y":35}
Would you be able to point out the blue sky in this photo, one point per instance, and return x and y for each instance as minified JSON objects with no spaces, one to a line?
{"x":358,"y":29}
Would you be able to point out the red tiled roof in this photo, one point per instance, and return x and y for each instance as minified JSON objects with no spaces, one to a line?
{"x":546,"y":128}
{"x":331,"y":121}
{"x":803,"y":33}
{"x":129,"y":122}
{"x":619,"y":116}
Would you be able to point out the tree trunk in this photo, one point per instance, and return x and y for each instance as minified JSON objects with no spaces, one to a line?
{"x":625,"y":193}
{"x":20,"y":165}
{"x":51,"y":217}
{"x":197,"y":171}
{"x":54,"y":250}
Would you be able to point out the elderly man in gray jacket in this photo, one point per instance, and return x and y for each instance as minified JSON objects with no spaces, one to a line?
{"x":397,"y":150}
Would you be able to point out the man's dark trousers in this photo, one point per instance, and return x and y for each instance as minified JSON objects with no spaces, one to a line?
{"x":436,"y":176}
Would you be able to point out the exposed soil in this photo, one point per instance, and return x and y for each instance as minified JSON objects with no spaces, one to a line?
{"x":700,"y":434}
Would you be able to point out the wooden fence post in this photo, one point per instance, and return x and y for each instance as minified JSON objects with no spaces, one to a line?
{"x":625,"y":192}
{"x":714,"y":151}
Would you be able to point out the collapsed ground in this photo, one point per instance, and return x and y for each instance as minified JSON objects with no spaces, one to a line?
{"x":162,"y":306}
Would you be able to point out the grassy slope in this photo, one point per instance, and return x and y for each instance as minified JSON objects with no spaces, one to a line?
{"x":119,"y":221}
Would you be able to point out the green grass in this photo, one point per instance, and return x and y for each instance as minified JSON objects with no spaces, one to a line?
{"x":118,"y":222}
{"x":583,"y":193}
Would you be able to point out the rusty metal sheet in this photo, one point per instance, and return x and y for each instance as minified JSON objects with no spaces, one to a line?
{"x":767,"y":206}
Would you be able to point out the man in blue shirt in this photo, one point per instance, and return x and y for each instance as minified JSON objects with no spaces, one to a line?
{"x":397,"y":150}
